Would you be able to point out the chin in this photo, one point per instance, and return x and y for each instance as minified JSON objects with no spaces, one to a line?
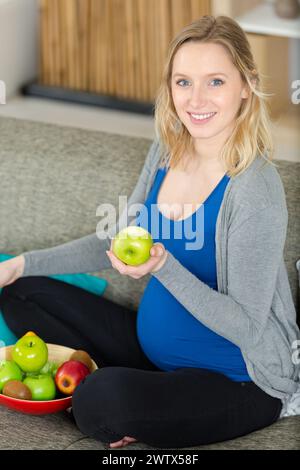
{"x":202,"y":133}
{"x":197,"y":130}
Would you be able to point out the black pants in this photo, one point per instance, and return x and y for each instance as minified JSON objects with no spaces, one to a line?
{"x":128,"y":395}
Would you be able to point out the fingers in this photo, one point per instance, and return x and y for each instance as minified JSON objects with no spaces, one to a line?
{"x":157,"y":251}
{"x":116,"y":262}
{"x":134,"y":271}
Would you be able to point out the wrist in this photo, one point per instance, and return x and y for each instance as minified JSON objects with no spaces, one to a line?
{"x":19,"y":262}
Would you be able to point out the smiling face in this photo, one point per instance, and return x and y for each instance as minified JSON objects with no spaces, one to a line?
{"x":204,"y":81}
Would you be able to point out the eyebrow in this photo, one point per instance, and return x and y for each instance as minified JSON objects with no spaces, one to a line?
{"x":208,"y":75}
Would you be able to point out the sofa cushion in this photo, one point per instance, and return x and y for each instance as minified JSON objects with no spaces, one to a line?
{"x":298,"y":269}
{"x":290,"y":175}
{"x":58,"y":432}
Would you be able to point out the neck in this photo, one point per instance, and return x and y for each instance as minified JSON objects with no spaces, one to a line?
{"x":205,"y":163}
{"x":207,"y":152}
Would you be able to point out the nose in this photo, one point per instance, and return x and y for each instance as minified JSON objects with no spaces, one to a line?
{"x":198,"y":97}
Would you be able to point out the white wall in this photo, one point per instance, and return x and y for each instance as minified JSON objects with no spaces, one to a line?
{"x":18,"y":43}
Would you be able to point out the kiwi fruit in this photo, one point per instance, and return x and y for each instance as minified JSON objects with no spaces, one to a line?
{"x":84,"y":357}
{"x":16,"y":389}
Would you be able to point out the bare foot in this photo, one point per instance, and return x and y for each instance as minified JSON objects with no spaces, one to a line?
{"x":123,"y":442}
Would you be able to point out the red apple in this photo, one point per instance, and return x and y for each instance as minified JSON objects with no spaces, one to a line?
{"x":69,"y":375}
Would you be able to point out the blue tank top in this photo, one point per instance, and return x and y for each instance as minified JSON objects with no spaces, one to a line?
{"x":170,"y":336}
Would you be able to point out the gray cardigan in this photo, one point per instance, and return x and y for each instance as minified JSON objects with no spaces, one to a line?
{"x":253,"y":307}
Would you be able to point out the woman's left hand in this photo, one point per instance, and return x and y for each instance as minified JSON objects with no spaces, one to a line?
{"x":155,"y":262}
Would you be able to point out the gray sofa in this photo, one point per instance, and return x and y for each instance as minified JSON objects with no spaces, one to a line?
{"x":52,"y":180}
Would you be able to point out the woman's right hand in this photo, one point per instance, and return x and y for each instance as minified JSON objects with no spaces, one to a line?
{"x":11,"y":270}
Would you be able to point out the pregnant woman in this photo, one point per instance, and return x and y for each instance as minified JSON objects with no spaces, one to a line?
{"x":208,"y":355}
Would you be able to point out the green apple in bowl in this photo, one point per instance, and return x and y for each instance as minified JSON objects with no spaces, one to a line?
{"x":42,"y":387}
{"x":50,"y":368}
{"x":9,"y":370}
{"x":30,"y":353}
{"x":132,"y":245}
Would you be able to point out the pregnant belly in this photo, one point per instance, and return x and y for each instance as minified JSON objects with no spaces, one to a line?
{"x":171,"y":337}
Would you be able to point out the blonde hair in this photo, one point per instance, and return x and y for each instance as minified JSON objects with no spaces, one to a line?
{"x":252,"y":134}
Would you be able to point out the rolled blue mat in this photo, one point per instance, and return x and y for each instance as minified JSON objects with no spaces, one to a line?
{"x":6,"y":336}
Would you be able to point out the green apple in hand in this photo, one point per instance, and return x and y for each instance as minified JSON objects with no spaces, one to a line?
{"x":30,"y":353}
{"x":132,"y":245}
{"x":42,"y":387}
{"x":9,"y":371}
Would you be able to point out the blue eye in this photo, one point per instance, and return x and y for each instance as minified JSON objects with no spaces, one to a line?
{"x":177,"y":83}
{"x":218,"y":80}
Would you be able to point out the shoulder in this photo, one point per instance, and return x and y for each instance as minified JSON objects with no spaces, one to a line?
{"x":154,"y":152}
{"x":259,"y":186}
{"x":257,"y":191}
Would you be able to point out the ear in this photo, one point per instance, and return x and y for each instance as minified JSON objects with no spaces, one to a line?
{"x":245,"y":92}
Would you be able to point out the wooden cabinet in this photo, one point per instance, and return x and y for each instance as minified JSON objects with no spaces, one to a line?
{"x":111,"y":47}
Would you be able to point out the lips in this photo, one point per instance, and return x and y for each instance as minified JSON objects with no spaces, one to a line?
{"x":207,"y":112}
{"x":201,"y":121}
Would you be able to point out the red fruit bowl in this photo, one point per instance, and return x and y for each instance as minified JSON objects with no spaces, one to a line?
{"x":55,"y":353}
